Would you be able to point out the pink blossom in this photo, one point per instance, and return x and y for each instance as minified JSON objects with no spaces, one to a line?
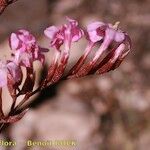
{"x":22,"y":40}
{"x":99,"y":30}
{"x":13,"y":70}
{"x":25,"y":48}
{"x":66,"y":34}
{"x":108,"y":33}
{"x":76,"y":32}
{"x":56,"y":35}
{"x":96,"y":31}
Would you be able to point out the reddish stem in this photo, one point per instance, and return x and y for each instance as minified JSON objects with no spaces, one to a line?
{"x":4,"y":4}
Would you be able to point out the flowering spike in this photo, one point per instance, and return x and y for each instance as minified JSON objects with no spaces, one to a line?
{"x":114,"y":45}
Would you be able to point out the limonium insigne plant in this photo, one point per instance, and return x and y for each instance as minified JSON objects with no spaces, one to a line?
{"x":114,"y":45}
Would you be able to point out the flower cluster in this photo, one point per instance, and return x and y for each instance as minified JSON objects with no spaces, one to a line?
{"x":65,"y":34}
{"x":114,"y":45}
{"x":25,"y":48}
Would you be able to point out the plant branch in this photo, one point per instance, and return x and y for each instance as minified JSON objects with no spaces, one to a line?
{"x":4,"y":4}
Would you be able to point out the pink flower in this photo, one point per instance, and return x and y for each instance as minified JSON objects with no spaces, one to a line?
{"x":76,"y":32}
{"x":96,"y":31}
{"x":99,"y":30}
{"x":114,"y":45}
{"x":56,"y":35}
{"x":25,"y":48}
{"x":66,"y":34}
{"x":12,"y":70}
{"x":108,"y":34}
{"x":22,"y":41}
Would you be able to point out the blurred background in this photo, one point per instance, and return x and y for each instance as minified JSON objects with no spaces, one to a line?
{"x":107,"y":112}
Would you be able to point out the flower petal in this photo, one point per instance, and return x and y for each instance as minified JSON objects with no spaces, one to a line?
{"x":120,"y":36}
{"x":94,"y":31}
{"x":15,"y":71}
{"x":51,"y":31}
{"x":14,"y":41}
